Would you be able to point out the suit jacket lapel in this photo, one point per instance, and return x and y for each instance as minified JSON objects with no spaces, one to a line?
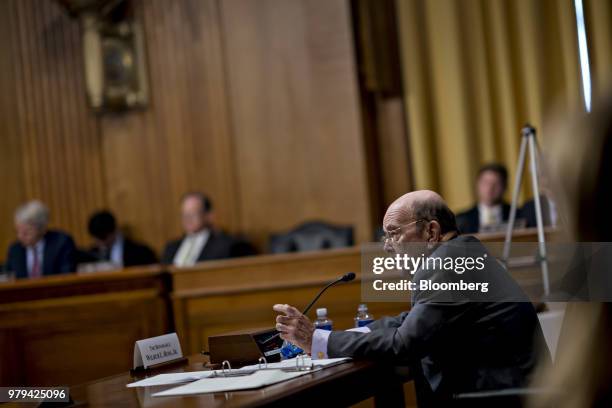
{"x":206,"y":249}
{"x":475,"y":215}
{"x":47,"y":265}
{"x":21,"y":264}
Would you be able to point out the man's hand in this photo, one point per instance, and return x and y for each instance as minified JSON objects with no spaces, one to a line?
{"x":294,"y":327}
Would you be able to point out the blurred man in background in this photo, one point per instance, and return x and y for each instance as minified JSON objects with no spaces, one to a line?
{"x":201,"y":241}
{"x":38,"y":251}
{"x":112,"y":246}
{"x":550,"y":212}
{"x":490,"y":212}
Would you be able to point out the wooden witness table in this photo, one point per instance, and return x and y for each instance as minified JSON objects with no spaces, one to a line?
{"x":339,"y":385}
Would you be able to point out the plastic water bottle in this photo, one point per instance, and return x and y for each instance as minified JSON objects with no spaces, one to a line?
{"x":363,"y":318}
{"x":322,"y":321}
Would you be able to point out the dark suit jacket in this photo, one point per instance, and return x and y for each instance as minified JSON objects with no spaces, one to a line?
{"x":218,"y":246}
{"x":455,"y":346}
{"x":468,"y":221}
{"x":528,"y":212}
{"x":134,"y":254}
{"x":58,"y":257}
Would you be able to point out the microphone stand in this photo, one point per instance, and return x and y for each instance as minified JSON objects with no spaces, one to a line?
{"x":344,"y":278}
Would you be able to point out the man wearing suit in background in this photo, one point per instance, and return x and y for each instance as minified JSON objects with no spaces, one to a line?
{"x":112,"y":246}
{"x":490,"y":212}
{"x":452,"y":345}
{"x":38,"y":251}
{"x":201,"y":241}
{"x":550,"y":213}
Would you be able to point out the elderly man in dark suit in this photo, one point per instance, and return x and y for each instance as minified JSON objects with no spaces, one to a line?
{"x":453,"y":344}
{"x":202,"y":241}
{"x":38,"y":251}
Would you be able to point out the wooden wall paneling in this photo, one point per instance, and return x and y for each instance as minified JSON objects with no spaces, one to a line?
{"x":181,"y":141}
{"x":378,"y":59}
{"x":11,"y":175}
{"x":394,"y":154}
{"x":52,"y":135}
{"x":254,"y":103}
{"x":295,"y":114}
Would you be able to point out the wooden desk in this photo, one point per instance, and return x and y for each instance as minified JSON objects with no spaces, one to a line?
{"x":73,"y":328}
{"x":341,"y":385}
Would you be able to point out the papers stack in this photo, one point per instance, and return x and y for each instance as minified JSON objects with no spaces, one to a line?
{"x":212,"y":380}
{"x":223,"y":384}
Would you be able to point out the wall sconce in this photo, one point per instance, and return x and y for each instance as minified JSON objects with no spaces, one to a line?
{"x":113,"y":54}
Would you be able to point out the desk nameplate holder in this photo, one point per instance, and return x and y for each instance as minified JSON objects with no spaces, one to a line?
{"x":165,"y":349}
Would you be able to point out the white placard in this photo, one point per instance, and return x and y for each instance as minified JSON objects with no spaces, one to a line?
{"x":157,"y":350}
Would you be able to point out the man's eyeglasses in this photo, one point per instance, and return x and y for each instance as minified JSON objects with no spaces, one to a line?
{"x":394,"y":234}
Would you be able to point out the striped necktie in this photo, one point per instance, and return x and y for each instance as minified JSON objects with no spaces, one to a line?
{"x":35,"y":273}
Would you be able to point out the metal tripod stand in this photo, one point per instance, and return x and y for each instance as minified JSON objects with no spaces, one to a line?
{"x":528,"y":140}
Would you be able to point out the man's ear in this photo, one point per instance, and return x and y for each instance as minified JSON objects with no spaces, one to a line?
{"x":434,"y":231}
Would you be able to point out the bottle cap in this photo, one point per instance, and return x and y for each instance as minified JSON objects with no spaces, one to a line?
{"x":322,"y":312}
{"x":362,"y":307}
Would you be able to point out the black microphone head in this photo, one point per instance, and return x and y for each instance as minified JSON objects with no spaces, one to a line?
{"x":348,"y":277}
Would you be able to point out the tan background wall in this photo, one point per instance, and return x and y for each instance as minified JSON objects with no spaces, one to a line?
{"x":475,"y":71}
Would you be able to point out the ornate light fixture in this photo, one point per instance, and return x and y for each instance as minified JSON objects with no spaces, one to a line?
{"x":113,"y":53}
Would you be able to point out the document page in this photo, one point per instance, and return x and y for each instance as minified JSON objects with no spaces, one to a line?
{"x":224,"y":384}
{"x":171,"y":378}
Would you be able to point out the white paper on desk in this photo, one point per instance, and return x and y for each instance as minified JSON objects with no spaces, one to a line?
{"x":171,"y":378}
{"x":291,"y":363}
{"x":224,"y":384}
{"x":180,"y":378}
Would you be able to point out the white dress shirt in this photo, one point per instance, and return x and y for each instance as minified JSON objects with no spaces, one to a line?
{"x":490,"y":215}
{"x":321,"y":337}
{"x":190,"y":249}
{"x":552,"y":212}
{"x":39,"y":247}
{"x":116,"y":253}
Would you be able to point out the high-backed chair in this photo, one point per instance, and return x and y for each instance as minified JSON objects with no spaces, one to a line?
{"x":312,"y":236}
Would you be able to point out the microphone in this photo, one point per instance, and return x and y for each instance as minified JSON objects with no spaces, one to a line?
{"x":344,"y":278}
{"x":347,"y":277}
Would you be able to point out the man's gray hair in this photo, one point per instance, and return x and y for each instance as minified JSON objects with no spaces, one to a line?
{"x":33,"y":212}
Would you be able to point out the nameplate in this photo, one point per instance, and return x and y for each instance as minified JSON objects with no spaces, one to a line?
{"x":157,"y":350}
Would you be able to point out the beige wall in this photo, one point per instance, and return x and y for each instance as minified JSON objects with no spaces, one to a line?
{"x":475,"y":71}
